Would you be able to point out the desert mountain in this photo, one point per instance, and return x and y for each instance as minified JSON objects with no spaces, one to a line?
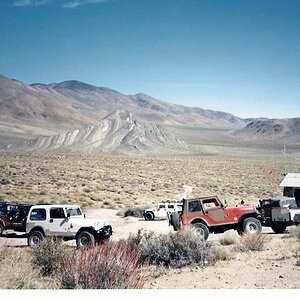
{"x":49,"y":109}
{"x":271,"y":129}
{"x":117,"y":133}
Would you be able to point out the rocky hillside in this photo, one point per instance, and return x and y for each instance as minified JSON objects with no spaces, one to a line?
{"x":117,"y":133}
{"x":271,"y":129}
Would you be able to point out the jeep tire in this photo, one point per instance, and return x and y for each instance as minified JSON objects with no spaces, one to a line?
{"x":175,"y":221}
{"x":278,"y":227}
{"x":149,"y":216}
{"x":202,"y":229}
{"x":1,"y":229}
{"x":34,"y":238}
{"x":251,"y":225}
{"x":85,"y":239}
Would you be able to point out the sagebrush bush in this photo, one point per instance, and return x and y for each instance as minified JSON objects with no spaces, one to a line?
{"x":176,"y":249}
{"x":252,"y":242}
{"x":220,"y":254}
{"x":17,"y":271}
{"x":49,"y":254}
{"x":132,"y":212}
{"x":228,"y":239}
{"x":295,"y":232}
{"x":114,"y":265}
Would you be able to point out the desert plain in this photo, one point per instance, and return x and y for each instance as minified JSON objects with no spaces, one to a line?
{"x":104,"y":184}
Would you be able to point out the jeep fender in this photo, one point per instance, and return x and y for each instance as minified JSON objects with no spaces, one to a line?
{"x":247,"y":215}
{"x":91,"y":230}
{"x":199,"y":220}
{"x":37,"y":228}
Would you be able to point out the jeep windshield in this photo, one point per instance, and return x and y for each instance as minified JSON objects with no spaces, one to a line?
{"x":73,"y":211}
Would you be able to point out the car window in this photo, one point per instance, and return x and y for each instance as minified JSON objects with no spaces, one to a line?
{"x":57,"y":213}
{"x":3,"y":210}
{"x":38,"y":214}
{"x":161,"y":206}
{"x":73,"y":211}
{"x":171,"y":206}
{"x":210,"y":203}
{"x":194,"y":206}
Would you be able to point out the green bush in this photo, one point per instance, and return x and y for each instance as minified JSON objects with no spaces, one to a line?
{"x":175,"y":250}
{"x":49,"y":254}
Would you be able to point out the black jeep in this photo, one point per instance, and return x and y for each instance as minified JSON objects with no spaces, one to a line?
{"x":13,"y":216}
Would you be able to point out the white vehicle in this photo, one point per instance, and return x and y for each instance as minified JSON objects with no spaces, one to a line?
{"x":66,"y":221}
{"x":162,"y":210}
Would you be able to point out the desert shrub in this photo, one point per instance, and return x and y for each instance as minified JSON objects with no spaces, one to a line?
{"x":17,"y":271}
{"x":48,"y":254}
{"x":220,"y":253}
{"x":114,"y":265}
{"x":252,"y":242}
{"x":175,"y":250}
{"x":228,"y":239}
{"x":295,"y":232}
{"x":132,"y":212}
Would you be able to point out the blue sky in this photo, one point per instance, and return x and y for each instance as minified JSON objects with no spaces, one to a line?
{"x":237,"y":56}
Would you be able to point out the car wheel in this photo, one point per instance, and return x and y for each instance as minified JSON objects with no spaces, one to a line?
{"x":85,"y":239}
{"x":175,"y":221}
{"x":1,"y":229}
{"x":35,"y":238}
{"x":251,"y":225}
{"x":278,"y":227}
{"x":202,"y":229}
{"x":149,"y":216}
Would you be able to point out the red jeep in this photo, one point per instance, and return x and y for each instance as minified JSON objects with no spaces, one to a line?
{"x":209,"y":215}
{"x":13,"y":216}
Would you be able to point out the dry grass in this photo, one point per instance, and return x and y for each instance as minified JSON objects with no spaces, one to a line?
{"x":18,"y":272}
{"x":119,"y":181}
{"x":252,"y":242}
{"x":295,"y":232}
{"x":228,"y":238}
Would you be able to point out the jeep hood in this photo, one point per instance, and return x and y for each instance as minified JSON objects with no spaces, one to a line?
{"x":242,"y":209}
{"x":88,"y":222}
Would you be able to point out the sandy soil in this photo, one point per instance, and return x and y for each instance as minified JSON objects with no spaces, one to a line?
{"x":273,"y":268}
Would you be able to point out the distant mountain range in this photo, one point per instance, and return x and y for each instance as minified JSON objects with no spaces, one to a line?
{"x":271,"y":129}
{"x":73,"y":114}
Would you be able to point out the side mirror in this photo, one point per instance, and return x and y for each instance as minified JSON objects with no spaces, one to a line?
{"x":68,"y":216}
{"x":84,"y":215}
{"x":225,"y":204}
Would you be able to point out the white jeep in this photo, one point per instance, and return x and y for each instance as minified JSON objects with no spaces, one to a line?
{"x":162,"y":210}
{"x":66,"y":221}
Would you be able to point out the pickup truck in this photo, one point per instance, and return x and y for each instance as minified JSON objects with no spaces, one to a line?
{"x":279,"y":212}
{"x":210,"y":215}
{"x":65,"y":221}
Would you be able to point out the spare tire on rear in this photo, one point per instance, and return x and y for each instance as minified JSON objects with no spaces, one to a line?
{"x":175,"y":221}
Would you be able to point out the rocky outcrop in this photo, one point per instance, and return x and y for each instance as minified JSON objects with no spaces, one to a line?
{"x":119,"y":132}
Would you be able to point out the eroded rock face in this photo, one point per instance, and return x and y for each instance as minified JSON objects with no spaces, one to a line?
{"x":117,"y":133}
